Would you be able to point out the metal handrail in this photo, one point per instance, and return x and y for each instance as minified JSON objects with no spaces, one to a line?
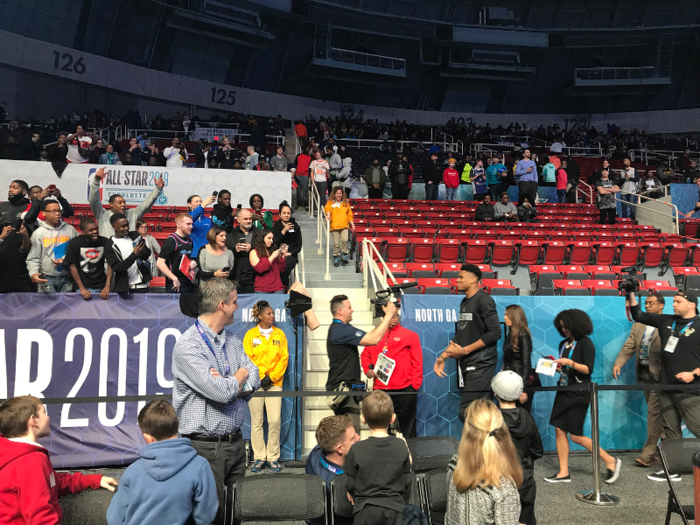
{"x":368,"y":263}
{"x":590,"y":190}
{"x":322,"y":225}
{"x":168,"y":133}
{"x":302,"y":267}
{"x":674,"y":218}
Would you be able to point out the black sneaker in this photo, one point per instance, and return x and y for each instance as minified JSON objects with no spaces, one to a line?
{"x":614,"y":474}
{"x":554,"y":479}
{"x":661,"y":476}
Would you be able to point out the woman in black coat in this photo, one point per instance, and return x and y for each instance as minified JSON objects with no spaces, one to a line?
{"x":517,"y":351}
{"x":287,"y":231}
{"x":575,"y":364}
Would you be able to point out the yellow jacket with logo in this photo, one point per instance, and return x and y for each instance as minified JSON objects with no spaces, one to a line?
{"x":340,"y":216}
{"x":269,"y":355}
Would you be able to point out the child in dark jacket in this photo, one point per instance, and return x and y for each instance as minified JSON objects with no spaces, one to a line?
{"x":29,"y":486}
{"x":170,"y":483}
{"x":379,"y":467}
{"x":507,"y":386}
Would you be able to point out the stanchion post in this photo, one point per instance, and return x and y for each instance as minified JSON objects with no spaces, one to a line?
{"x":696,"y":481}
{"x":595,"y":496}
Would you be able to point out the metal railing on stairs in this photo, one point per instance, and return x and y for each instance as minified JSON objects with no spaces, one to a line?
{"x":371,"y":269}
{"x":322,"y":225}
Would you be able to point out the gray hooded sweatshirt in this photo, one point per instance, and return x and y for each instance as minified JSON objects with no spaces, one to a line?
{"x":345,"y":175}
{"x":44,"y":239}
{"x":102,"y":216}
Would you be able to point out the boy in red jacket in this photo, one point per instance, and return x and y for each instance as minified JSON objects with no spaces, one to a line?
{"x":29,"y":486}
{"x":451,"y":179}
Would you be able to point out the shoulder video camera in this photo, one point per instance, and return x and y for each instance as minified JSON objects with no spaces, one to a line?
{"x":392,"y":293}
{"x":629,"y":284}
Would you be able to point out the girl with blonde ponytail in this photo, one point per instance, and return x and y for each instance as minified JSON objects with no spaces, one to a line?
{"x":484,"y":474}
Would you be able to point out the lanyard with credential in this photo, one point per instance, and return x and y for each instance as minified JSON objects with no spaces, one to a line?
{"x":227,"y":369}
{"x":335,"y":470}
{"x":673,"y":328}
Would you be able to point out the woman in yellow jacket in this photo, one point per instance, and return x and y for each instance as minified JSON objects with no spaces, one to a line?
{"x":340,"y":217}
{"x":266,"y":345}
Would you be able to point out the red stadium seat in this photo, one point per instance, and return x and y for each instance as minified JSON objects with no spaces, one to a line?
{"x":528,"y":252}
{"x":676,"y":254}
{"x":542,"y":277}
{"x":660,"y":287}
{"x":570,"y":287}
{"x":419,"y":270}
{"x":680,"y":274}
{"x":502,"y":252}
{"x":476,"y":251}
{"x":651,"y":255}
{"x":498,"y":287}
{"x":579,"y":252}
{"x":600,"y":272}
{"x":448,"y":270}
{"x":628,"y":254}
{"x":554,"y":252}
{"x":601,"y":287}
{"x":397,"y":249}
{"x":435,"y":286}
{"x":397,"y":269}
{"x":423,"y":250}
{"x":572,"y":271}
{"x":604,"y":252}
{"x":448,"y":250}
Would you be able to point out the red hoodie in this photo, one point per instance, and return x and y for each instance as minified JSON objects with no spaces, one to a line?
{"x":30,"y":487}
{"x":451,"y":178}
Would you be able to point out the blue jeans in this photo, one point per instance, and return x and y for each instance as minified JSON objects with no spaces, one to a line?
{"x":561,"y":195}
{"x":451,"y":194}
{"x":628,"y":210}
{"x":431,"y":191}
{"x":94,"y":290}
{"x":56,"y":284}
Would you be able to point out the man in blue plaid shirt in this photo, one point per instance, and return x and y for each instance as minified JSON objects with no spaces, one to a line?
{"x":213,"y":379}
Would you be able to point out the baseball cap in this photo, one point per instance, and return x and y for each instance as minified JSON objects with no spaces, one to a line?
{"x":507,"y":385}
{"x":688,"y":296}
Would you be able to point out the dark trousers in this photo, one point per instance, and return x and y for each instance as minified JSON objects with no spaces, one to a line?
{"x":431,"y":191}
{"x":655,"y":425}
{"x":477,"y":385}
{"x":374,"y":515}
{"x":495,"y":192}
{"x":405,"y":409}
{"x":561,"y":195}
{"x":528,"y":492}
{"x":399,"y":191}
{"x":527,"y":189}
{"x":608,"y":213}
{"x":246,"y":287}
{"x":185,"y":286}
{"x":291,"y":263}
{"x":375,"y":193}
{"x":676,"y":407}
{"x":227,"y":462}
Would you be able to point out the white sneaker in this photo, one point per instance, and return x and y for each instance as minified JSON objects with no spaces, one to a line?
{"x":661,"y":476}
{"x":612,"y":475}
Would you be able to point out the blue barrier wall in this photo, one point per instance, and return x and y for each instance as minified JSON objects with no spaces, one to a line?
{"x":622,"y":414}
{"x":684,"y":196}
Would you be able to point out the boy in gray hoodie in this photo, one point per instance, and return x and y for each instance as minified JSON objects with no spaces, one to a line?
{"x":49,"y":243}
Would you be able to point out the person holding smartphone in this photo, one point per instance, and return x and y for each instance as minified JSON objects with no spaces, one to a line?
{"x":240,"y":242}
{"x":215,"y":259}
{"x":201,"y":224}
{"x":268,"y":262}
{"x":288,"y":232}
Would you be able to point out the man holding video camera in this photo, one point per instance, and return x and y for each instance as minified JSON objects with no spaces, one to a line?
{"x":344,"y":357}
{"x":680,"y":361}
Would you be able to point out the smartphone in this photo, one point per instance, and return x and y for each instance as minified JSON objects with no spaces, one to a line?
{"x":18,"y":224}
{"x":225,"y":269}
{"x":242,"y":241}
{"x":136,"y":241}
{"x":239,"y":206}
{"x":51,"y":187}
{"x":214,"y":193}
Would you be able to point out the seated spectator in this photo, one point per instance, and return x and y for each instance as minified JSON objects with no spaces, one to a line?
{"x":378,"y":468}
{"x":484,"y":211}
{"x":266,"y":345}
{"x":450,"y":177}
{"x":117,"y":204}
{"x":127,"y":261}
{"x":335,"y":435}
{"x":340,"y":218}
{"x":49,"y":244}
{"x":29,"y":485}
{"x":507,"y":387}
{"x":175,"y":261}
{"x":151,"y":244}
{"x":97,"y":151}
{"x":109,"y":157}
{"x":526,"y":211}
{"x":504,"y":210}
{"x":152,"y":156}
{"x":169,"y":483}
{"x":694,"y":173}
{"x":201,"y":224}
{"x":85,"y":257}
{"x":261,"y":218}
{"x":288,"y":232}
{"x":215,"y":259}
{"x":650,"y":186}
{"x":268,"y":262}
{"x":222,"y":214}
{"x":14,"y":247}
{"x":484,"y":476}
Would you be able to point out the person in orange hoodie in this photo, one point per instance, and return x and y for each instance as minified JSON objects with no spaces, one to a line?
{"x":451,"y":179}
{"x":29,"y":486}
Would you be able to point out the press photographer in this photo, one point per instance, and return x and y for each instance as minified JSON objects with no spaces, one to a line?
{"x":342,"y":342}
{"x":680,"y":361}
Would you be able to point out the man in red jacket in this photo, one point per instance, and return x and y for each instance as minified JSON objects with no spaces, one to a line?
{"x":29,"y":486}
{"x":396,"y":364}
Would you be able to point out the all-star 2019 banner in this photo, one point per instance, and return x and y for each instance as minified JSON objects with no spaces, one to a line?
{"x":58,"y":345}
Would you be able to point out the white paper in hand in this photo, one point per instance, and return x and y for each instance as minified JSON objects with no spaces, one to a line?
{"x":546,"y":367}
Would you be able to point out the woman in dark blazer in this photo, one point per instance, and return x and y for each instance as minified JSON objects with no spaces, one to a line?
{"x":517,"y":351}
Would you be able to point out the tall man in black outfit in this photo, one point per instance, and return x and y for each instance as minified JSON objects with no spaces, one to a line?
{"x":343,"y":355}
{"x":240,"y":242}
{"x":474,"y":343}
{"x":680,"y":363}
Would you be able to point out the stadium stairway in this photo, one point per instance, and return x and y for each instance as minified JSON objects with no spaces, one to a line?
{"x":316,"y":365}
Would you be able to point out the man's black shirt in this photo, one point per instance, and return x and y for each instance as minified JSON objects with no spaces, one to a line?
{"x":343,"y":355}
{"x":90,"y":259}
